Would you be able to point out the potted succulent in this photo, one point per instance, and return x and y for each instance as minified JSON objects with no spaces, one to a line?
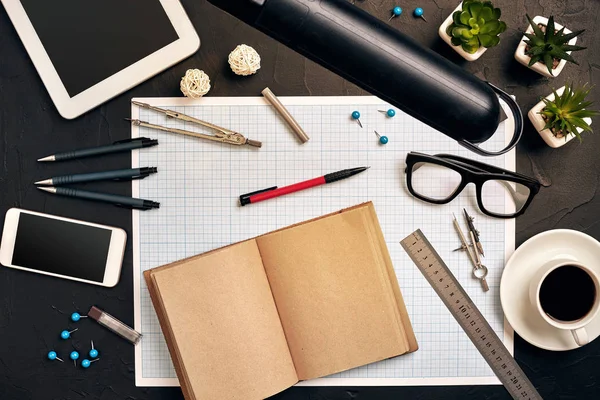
{"x":546,"y":47}
{"x":563,"y":115}
{"x":472,"y":28}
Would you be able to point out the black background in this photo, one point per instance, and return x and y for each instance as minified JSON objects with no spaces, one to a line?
{"x":61,"y":247}
{"x":34,"y":309}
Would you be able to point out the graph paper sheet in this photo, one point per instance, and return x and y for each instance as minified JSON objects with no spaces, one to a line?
{"x":198,"y":184}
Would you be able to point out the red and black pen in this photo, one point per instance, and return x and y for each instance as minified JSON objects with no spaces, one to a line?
{"x":271,"y":192}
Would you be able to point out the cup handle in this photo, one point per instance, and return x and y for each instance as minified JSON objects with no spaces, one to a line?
{"x":581,"y":337}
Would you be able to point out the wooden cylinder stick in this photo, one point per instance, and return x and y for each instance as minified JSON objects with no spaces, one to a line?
{"x":271,"y":98}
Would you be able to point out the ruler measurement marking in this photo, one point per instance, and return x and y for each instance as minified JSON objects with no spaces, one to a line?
{"x":469,"y":317}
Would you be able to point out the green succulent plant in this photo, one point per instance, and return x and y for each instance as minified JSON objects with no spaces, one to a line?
{"x":567,"y":111}
{"x":477,"y":25}
{"x":550,"y":45}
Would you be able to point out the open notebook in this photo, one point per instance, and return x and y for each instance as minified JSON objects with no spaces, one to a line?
{"x":251,"y":319}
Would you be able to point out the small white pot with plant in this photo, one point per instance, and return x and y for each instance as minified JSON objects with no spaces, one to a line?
{"x":546,"y":46}
{"x":472,"y":28}
{"x":563,"y":115}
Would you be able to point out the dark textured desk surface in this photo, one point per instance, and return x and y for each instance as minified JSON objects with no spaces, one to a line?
{"x":34,"y":308}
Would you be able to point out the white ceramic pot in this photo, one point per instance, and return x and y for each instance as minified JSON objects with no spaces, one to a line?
{"x":539,"y":67}
{"x":539,"y":123}
{"x":458,"y":49}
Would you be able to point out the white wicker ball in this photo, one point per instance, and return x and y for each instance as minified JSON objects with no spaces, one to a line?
{"x":244,"y":60}
{"x":195,"y":83}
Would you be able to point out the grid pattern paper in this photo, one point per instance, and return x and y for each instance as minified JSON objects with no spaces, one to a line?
{"x":198,"y":184}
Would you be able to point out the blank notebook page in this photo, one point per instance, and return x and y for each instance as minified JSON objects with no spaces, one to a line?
{"x":332,"y":292}
{"x":198,"y":184}
{"x":225,"y":322}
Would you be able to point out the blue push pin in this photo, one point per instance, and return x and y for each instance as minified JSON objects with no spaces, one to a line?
{"x":66,"y":334}
{"x":396,"y":11}
{"x":419,"y":13}
{"x":76,"y":317}
{"x":382,"y":139}
{"x":93,"y":352}
{"x":356,"y":116}
{"x":74,"y":356}
{"x":52,"y":356}
{"x":390,"y":113}
{"x":85,"y":363}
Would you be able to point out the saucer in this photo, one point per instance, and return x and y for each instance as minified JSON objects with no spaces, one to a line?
{"x":558,"y":244}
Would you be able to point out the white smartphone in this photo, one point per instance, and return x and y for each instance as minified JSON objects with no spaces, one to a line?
{"x":62,"y":247}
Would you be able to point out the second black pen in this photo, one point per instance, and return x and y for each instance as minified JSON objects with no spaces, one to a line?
{"x":117,"y":175}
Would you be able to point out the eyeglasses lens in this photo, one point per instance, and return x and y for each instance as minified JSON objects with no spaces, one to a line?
{"x":434,"y":181}
{"x":504,"y":197}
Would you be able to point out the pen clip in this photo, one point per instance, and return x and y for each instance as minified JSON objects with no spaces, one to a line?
{"x":130,"y":207}
{"x":123,"y":206}
{"x":140,"y":176}
{"x":245,"y":198}
{"x":141,"y":139}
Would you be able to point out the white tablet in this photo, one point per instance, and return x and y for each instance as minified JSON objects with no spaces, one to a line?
{"x":87,"y":52}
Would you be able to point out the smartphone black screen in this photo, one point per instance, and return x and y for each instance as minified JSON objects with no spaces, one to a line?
{"x":61,"y":247}
{"x":89,"y":41}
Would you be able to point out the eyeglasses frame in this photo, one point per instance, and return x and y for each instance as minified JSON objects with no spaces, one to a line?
{"x":471,"y":171}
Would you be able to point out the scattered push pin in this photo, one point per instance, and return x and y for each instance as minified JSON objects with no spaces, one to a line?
{"x":85,"y":363}
{"x":74,"y":356}
{"x":419,"y":13}
{"x":356,"y":116}
{"x":76,"y":316}
{"x":382,"y":139}
{"x":66,"y":334}
{"x":396,"y":11}
{"x":52,"y":356}
{"x":93,"y":352}
{"x":390,"y":113}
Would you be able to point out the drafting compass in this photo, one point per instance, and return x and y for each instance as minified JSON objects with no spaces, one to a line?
{"x":222,"y":135}
{"x":480,"y":271}
{"x":475,"y":233}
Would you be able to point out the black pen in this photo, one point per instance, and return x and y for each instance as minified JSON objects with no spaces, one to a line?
{"x":116,"y":147}
{"x":117,"y":175}
{"x":117,"y":200}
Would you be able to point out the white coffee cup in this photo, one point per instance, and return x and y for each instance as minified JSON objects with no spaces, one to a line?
{"x":577,"y":327}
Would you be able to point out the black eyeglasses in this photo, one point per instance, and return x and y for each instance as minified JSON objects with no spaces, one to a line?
{"x":439,"y":179}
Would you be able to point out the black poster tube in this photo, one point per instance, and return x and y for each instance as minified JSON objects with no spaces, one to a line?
{"x":382,"y":61}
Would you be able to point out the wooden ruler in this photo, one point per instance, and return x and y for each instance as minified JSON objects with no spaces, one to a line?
{"x":469,"y":317}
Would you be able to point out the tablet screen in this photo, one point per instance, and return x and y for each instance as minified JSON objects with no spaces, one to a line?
{"x":89,"y":41}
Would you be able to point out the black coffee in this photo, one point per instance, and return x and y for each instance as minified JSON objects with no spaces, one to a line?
{"x":568,"y":293}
